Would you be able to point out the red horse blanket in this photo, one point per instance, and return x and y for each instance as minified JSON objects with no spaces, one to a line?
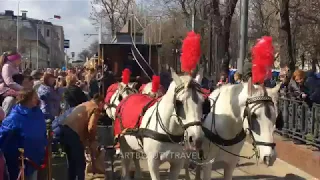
{"x":130,"y":111}
{"x":110,"y":91}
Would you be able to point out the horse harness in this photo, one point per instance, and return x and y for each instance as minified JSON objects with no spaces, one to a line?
{"x":141,"y":133}
{"x":219,"y":141}
{"x":250,"y":115}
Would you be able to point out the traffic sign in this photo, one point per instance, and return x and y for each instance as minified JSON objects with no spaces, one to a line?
{"x":72,"y":54}
{"x":66,"y":43}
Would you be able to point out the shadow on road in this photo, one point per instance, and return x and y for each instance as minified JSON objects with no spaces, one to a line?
{"x":265,"y":177}
{"x":245,"y":164}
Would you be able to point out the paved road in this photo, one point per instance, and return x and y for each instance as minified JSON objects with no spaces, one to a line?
{"x":247,"y":170}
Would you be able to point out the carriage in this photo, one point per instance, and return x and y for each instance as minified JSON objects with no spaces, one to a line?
{"x":145,"y":57}
{"x":182,"y":128}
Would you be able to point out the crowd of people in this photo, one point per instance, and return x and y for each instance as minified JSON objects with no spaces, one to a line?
{"x":29,"y":99}
{"x":302,"y":86}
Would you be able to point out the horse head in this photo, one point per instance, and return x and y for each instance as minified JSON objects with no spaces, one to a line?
{"x":147,"y":89}
{"x":122,"y":92}
{"x":260,"y":115}
{"x":186,"y":96}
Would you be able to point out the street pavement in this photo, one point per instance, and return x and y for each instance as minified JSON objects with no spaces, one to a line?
{"x":246,"y":170}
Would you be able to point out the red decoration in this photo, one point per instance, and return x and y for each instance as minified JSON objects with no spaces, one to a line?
{"x":46,"y":158}
{"x":191,"y":51}
{"x":42,"y":166}
{"x":155,"y":83}
{"x":126,"y":76}
{"x":262,"y":60}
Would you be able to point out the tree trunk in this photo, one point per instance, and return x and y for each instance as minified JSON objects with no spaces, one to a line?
{"x":286,"y":56}
{"x":224,"y":36}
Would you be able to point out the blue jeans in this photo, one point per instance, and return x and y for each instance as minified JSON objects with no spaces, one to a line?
{"x":75,"y":153}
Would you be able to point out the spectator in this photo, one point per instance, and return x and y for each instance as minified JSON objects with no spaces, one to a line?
{"x":49,"y":97}
{"x":25,"y":128}
{"x":61,"y":85}
{"x":9,"y":66}
{"x":313,"y":84}
{"x":80,"y":127}
{"x":73,"y":94}
{"x":237,"y":78}
{"x":92,"y":82}
{"x":247,"y":68}
{"x":223,"y":80}
{"x":36,"y":75}
{"x":296,"y":87}
{"x":26,"y":82}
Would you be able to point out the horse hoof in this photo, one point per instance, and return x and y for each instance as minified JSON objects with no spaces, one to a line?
{"x":131,"y":174}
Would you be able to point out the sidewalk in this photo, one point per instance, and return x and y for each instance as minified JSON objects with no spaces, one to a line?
{"x":247,"y":170}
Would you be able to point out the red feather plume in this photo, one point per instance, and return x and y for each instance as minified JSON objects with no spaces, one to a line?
{"x":126,"y":76}
{"x":262,"y":60}
{"x":155,"y":83}
{"x":191,"y":51}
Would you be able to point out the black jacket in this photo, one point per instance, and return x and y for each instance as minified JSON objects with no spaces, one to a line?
{"x":74,"y":96}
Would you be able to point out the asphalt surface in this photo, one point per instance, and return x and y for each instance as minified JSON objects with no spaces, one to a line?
{"x":247,"y":170}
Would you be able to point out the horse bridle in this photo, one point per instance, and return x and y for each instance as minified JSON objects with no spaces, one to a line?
{"x":249,"y":115}
{"x":195,"y":86}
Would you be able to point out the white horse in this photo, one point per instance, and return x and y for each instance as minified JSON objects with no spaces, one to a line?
{"x":176,"y":117}
{"x":122,"y":91}
{"x":236,"y":108}
{"x":147,"y":89}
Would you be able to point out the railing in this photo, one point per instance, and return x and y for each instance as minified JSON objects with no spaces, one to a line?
{"x":301,"y":122}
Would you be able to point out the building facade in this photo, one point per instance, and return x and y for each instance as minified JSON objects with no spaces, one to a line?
{"x":39,"y":50}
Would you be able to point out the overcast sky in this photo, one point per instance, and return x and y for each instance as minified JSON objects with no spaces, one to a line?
{"x":74,"y":17}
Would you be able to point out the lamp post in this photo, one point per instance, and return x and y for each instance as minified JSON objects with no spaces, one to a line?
{"x":18,"y":25}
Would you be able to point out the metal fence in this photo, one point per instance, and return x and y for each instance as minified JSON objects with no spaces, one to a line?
{"x":301,"y":122}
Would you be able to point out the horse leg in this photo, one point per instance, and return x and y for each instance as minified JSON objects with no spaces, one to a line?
{"x":126,"y":168}
{"x":126,"y":157}
{"x":186,"y":168}
{"x":206,"y":172}
{"x":136,"y":161}
{"x":175,"y":167}
{"x":228,"y":170}
{"x":153,"y":166}
{"x":198,"y":172}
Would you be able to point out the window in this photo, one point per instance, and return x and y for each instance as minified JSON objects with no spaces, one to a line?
{"x":48,"y":33}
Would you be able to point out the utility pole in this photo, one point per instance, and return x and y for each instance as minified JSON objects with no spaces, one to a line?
{"x":210,"y":47}
{"x":243,"y":35}
{"x":18,"y":25}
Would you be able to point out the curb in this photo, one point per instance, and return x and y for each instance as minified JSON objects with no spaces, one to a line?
{"x":298,"y":156}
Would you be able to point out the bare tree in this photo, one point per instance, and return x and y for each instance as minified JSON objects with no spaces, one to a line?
{"x":84,"y":54}
{"x":93,"y":48}
{"x":222,"y":24}
{"x":285,"y":41}
{"x":116,"y":12}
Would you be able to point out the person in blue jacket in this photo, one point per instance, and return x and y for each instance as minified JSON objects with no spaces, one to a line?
{"x":49,"y":97}
{"x":25,"y":128}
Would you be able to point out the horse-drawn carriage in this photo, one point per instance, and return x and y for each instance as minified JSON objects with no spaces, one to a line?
{"x":173,"y":122}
